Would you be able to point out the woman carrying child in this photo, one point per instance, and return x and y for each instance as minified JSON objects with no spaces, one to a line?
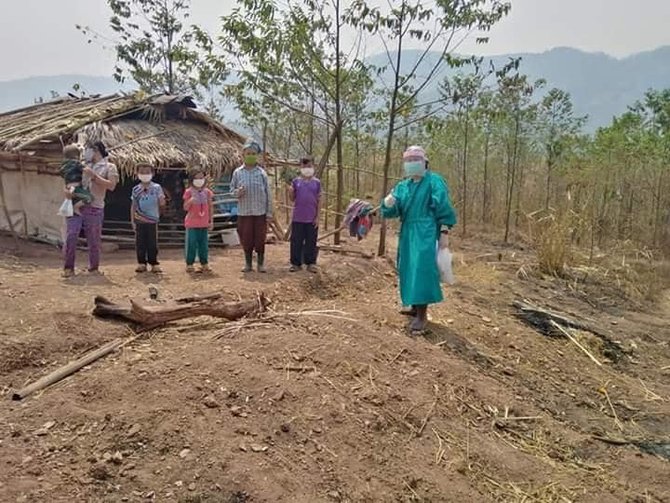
{"x":99,"y":176}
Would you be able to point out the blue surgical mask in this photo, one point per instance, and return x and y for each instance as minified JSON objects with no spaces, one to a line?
{"x":414,"y":168}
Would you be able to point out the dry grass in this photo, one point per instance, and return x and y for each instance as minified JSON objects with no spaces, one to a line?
{"x":551,"y":234}
{"x":630,"y":277}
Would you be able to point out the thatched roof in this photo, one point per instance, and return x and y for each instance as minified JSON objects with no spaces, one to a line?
{"x":161,"y":131}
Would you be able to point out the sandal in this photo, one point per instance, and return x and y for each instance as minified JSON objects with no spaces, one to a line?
{"x":68,"y":273}
{"x":294,"y":268}
{"x":141,"y":268}
{"x":417,"y":326}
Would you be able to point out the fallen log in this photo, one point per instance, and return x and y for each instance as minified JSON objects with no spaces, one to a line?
{"x":72,"y":367}
{"x":150,"y":317}
{"x":345,"y":250}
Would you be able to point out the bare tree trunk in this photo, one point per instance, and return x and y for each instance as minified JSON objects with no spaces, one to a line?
{"x":601,"y":218}
{"x":326,"y":199}
{"x":357,"y":153}
{"x":289,"y":144}
{"x":550,"y":167}
{"x":519,"y":192}
{"x":464,"y":218}
{"x":381,"y":251}
{"x":657,"y":206}
{"x":486,"y":204}
{"x":629,"y":213}
{"x":594,"y":223}
{"x":338,"y":122}
{"x":311,"y":128}
{"x":512,"y":175}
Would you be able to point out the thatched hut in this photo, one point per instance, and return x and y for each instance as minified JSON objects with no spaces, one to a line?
{"x":166,"y":132}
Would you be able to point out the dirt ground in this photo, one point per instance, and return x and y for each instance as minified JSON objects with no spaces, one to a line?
{"x":309,"y":408}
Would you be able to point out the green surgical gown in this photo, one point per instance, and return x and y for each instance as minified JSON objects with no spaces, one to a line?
{"x":423,"y":207}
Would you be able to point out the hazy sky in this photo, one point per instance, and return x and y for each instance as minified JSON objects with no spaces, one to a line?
{"x":38,"y":37}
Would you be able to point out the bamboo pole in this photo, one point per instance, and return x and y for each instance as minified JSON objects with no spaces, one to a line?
{"x":569,"y":336}
{"x":332,"y":233}
{"x":70,"y":368}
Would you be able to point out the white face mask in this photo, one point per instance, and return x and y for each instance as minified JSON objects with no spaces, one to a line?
{"x":198,"y":183}
{"x":307,"y":172}
{"x":88,"y":154}
{"x":145,"y":178}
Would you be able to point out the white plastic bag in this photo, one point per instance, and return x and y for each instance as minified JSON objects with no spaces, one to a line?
{"x":444,"y":257}
{"x":66,"y":209}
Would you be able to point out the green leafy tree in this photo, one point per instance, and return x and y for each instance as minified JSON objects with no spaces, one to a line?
{"x":557,"y":127}
{"x":442,"y":26}
{"x":158,"y":50}
{"x":294,"y":56}
{"x":516,"y":107}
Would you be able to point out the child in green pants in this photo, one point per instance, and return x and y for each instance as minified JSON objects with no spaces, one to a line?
{"x":199,"y":207}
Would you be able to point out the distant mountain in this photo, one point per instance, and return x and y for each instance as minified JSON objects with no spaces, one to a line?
{"x":24,"y":92}
{"x":601,"y":86}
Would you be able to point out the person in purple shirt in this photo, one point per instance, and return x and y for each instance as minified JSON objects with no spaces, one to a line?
{"x":305,"y":193}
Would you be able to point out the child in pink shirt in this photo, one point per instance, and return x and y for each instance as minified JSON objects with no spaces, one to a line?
{"x":199,"y":207}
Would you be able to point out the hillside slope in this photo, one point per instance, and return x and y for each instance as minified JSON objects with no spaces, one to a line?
{"x":344,"y":407}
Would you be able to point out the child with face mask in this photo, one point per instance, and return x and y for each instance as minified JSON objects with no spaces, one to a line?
{"x":305,"y":193}
{"x":199,"y":207}
{"x":147,"y":198}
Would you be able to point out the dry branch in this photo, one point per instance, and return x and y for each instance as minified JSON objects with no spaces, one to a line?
{"x":148,"y":317}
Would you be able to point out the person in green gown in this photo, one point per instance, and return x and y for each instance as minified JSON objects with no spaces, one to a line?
{"x":421,"y":202}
